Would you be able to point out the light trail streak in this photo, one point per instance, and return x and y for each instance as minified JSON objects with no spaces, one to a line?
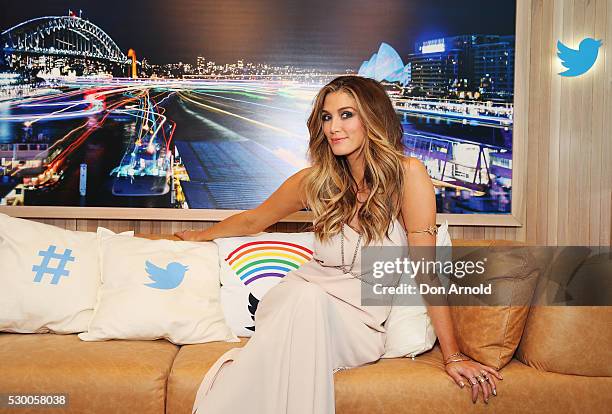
{"x":251,"y":103}
{"x":96,"y":108}
{"x":226,"y":105}
{"x":58,"y":161}
{"x":46,"y":97}
{"x":160,"y":102}
{"x":158,"y":124}
{"x":128,"y":111}
{"x":262,"y":124}
{"x":34,"y":105}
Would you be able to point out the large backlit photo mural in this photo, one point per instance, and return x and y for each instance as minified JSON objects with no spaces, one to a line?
{"x":203,"y":104}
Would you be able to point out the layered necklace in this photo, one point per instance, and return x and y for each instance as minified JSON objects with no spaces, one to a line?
{"x":343,"y":267}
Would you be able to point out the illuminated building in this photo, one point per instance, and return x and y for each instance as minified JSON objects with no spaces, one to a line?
{"x":464,"y":65}
{"x":494,"y":68}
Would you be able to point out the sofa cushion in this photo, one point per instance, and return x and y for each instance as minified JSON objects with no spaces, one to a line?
{"x":422,"y":386}
{"x":106,"y":377}
{"x":251,"y":265}
{"x":188,"y":370}
{"x":568,"y":339}
{"x":559,"y":265}
{"x":48,"y":277}
{"x":158,"y":289}
{"x":409,"y":328}
{"x":488,"y":328}
{"x":404,"y":385}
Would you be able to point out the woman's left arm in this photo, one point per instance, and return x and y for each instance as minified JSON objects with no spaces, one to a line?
{"x":418,"y":214}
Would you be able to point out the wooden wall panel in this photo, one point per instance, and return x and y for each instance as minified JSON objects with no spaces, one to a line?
{"x":568,"y":188}
{"x":606,"y":134}
{"x":537,"y":86}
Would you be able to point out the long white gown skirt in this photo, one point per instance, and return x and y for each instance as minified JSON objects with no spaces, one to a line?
{"x":307,"y":327}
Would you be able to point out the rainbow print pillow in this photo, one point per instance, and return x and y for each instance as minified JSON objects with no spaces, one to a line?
{"x":250,"y":266}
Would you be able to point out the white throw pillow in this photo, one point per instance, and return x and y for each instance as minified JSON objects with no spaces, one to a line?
{"x":409,"y":328}
{"x":250,"y":266}
{"x":105,"y":231}
{"x":155,"y":289}
{"x":48,"y":277}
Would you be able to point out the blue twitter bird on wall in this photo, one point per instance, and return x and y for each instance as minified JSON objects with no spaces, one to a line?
{"x":578,"y":61}
{"x":167,"y":278}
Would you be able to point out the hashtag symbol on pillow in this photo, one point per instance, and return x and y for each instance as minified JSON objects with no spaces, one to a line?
{"x":56,"y":272}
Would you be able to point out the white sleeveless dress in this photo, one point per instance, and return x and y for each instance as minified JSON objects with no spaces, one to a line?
{"x":309,"y":326}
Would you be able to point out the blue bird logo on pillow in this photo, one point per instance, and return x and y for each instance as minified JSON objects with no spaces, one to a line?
{"x":168,"y":278}
{"x":578,"y":61}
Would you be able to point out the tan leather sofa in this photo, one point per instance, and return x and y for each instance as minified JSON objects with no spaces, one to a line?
{"x":563,"y":364}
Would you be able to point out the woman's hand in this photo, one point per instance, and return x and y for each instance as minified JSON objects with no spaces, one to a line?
{"x":190,"y":235}
{"x":476,"y":375}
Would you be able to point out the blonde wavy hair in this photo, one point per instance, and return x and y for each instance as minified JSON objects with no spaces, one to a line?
{"x":331,"y":190}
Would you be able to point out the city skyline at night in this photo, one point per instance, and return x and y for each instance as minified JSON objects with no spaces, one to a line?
{"x":215,"y":118}
{"x":330,"y":36}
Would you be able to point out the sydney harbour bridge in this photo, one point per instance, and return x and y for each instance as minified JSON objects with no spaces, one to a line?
{"x":40,"y":42}
{"x":56,"y":119}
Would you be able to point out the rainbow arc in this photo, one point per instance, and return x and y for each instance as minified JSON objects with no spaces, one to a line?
{"x":266,"y":258}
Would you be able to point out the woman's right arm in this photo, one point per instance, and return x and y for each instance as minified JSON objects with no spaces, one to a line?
{"x":287,"y":199}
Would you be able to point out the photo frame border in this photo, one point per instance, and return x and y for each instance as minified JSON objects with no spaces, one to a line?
{"x":519,"y":167}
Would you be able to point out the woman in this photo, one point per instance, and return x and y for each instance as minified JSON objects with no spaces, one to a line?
{"x":359,"y":187}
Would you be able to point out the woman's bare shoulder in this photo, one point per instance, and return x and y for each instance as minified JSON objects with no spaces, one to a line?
{"x":294,"y":185}
{"x":413,"y":166}
{"x":304,"y":172}
{"x":298,"y":177}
